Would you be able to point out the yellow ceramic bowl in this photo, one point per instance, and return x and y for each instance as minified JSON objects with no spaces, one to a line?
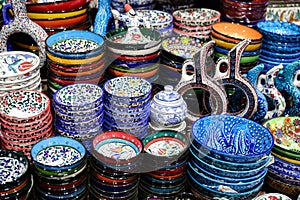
{"x":59,"y":15}
{"x":229,"y":45}
{"x":297,"y":162}
{"x":66,"y":61}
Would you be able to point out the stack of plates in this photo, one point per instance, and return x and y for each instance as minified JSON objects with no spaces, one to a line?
{"x":19,"y":71}
{"x":113,"y":165}
{"x":229,"y":157}
{"x":165,"y":163}
{"x":195,"y":22}
{"x":227,"y":35}
{"x":60,"y":16}
{"x":59,"y":169}
{"x":78,"y":111}
{"x":281,"y":43}
{"x":135,"y":4}
{"x":175,"y":50}
{"x":74,"y":56}
{"x":134,"y":54}
{"x":283,"y":174}
{"x":248,"y":13}
{"x":15,"y":178}
{"x":127,"y":105}
{"x":25,"y":118}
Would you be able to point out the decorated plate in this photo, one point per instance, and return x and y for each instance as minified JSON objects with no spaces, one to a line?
{"x":286,"y":132}
{"x":16,"y":63}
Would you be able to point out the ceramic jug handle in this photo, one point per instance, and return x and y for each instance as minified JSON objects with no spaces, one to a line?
{"x":184,"y":75}
{"x":6,"y":15}
{"x":219,"y":74}
{"x":295,"y":80}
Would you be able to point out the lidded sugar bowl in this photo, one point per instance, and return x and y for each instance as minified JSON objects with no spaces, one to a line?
{"x":168,"y":109}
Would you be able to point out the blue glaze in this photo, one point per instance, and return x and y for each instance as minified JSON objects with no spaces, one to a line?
{"x":135,"y":64}
{"x":283,"y":56}
{"x":102,"y":17}
{"x":245,"y":53}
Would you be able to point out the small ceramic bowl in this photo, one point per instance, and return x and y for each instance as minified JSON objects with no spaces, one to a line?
{"x":157,"y":19}
{"x":196,"y":16}
{"x":285,"y":167}
{"x":58,"y":6}
{"x":58,"y":153}
{"x":257,"y":140}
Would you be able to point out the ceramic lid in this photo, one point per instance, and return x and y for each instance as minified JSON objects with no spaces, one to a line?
{"x":168,"y":95}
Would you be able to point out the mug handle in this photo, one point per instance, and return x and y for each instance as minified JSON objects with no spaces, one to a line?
{"x":218,"y":73}
{"x":6,"y":15}
{"x":184,"y":76}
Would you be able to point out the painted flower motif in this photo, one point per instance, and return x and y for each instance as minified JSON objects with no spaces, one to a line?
{"x":287,"y":120}
{"x":296,"y":122}
{"x":274,"y":198}
{"x":278,"y":141}
{"x":279,"y":133}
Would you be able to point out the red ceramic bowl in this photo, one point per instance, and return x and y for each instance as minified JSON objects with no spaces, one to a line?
{"x":251,"y":15}
{"x":69,"y":82}
{"x":247,"y":4}
{"x":57,"y":6}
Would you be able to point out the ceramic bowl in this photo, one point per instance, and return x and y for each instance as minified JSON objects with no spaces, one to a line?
{"x":284,"y":188}
{"x":285,"y":131}
{"x":58,"y":6}
{"x":196,"y":16}
{"x":24,"y":106}
{"x":257,"y":140}
{"x":157,"y":19}
{"x":248,"y":4}
{"x":58,"y":153}
{"x":78,"y":97}
{"x":283,"y":177}
{"x":143,"y":71}
{"x":245,"y":16}
{"x":132,"y":65}
{"x":75,"y":44}
{"x":272,"y":195}
{"x":279,"y":31}
{"x":285,"y":167}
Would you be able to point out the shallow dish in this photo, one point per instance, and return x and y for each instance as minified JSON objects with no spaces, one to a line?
{"x":256,"y":140}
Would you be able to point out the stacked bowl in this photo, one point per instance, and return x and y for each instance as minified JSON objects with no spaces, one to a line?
{"x":280,"y":44}
{"x":74,"y":56}
{"x":15,"y":178}
{"x":164,"y":164}
{"x":25,"y":118}
{"x":59,"y":169}
{"x":127,"y":105}
{"x":137,"y":56}
{"x":60,"y":16}
{"x":283,"y":174}
{"x":247,"y":13}
{"x":115,"y":159}
{"x":227,"y":35}
{"x":78,"y":111}
{"x":229,"y":157}
{"x":195,"y":22}
{"x":19,"y":71}
{"x":135,"y":4}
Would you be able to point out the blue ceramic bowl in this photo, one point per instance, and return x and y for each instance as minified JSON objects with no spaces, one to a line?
{"x":75,"y":44}
{"x":58,"y":153}
{"x":283,"y":177}
{"x":232,"y":138}
{"x":245,"y":53}
{"x":285,"y":168}
{"x":127,"y":106}
{"x":127,"y":124}
{"x":117,"y":119}
{"x":207,"y":191}
{"x":124,"y":113}
{"x":73,"y":122}
{"x":135,"y":64}
{"x":278,"y":59}
{"x":284,"y":44}
{"x":225,"y":172}
{"x":270,"y":54}
{"x":239,"y":186}
{"x":225,"y":164}
{"x":279,"y":31}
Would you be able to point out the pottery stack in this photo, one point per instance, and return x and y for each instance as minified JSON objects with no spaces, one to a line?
{"x":78,"y":111}
{"x":127,"y":105}
{"x":19,"y":71}
{"x":247,"y":13}
{"x":195,"y":22}
{"x":229,"y":157}
{"x":134,"y":54}
{"x":280,"y":44}
{"x":15,"y":179}
{"x":283,"y":174}
{"x":60,"y":16}
{"x":114,"y":165}
{"x":25,"y":118}
{"x":174,"y":51}
{"x":74,"y":56}
{"x":164,"y":163}
{"x":59,"y":169}
{"x":227,"y":35}
{"x":135,"y":4}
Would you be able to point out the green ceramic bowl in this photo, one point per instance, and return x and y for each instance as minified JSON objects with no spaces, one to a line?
{"x":244,"y":59}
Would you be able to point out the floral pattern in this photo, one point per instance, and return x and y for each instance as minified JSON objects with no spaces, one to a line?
{"x":165,"y":148}
{"x":117,"y":151}
{"x":10,"y":169}
{"x":75,"y":45}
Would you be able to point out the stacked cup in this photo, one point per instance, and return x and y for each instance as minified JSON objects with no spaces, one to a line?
{"x":127,"y":105}
{"x":280,"y":44}
{"x":74,"y":56}
{"x":59,"y":169}
{"x":229,"y":157}
{"x":19,"y":71}
{"x":195,"y":22}
{"x":78,"y":111}
{"x":247,"y":13}
{"x":25,"y":118}
{"x":227,"y":35}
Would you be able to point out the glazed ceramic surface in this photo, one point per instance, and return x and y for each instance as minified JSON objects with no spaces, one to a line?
{"x":168,"y":108}
{"x":157,"y":19}
{"x":272,"y":196}
{"x":233,"y":138}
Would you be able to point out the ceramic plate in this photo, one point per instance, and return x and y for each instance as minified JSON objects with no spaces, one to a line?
{"x":286,"y":132}
{"x":16,"y":63}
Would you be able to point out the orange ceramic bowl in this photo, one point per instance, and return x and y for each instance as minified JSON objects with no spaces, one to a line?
{"x":58,"y":6}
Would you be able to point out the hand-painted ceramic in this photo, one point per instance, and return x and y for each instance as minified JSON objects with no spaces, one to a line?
{"x":196,"y":16}
{"x":57,"y":6}
{"x":286,"y":132}
{"x":283,"y":188}
{"x":58,"y":153}
{"x":272,"y":196}
{"x":256,"y":140}
{"x":230,"y":45}
{"x":157,"y":19}
{"x":23,"y":106}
